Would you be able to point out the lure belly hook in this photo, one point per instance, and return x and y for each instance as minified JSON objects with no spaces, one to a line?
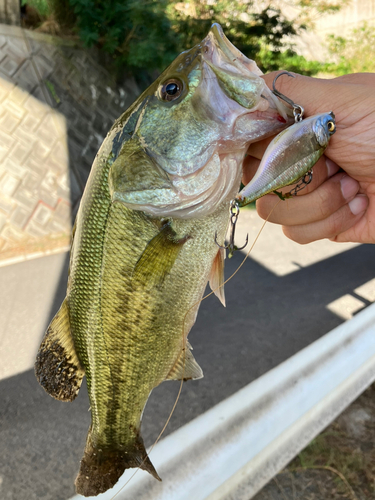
{"x":234,"y":211}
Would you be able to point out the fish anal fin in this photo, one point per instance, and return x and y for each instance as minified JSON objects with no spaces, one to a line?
{"x":216,"y":278}
{"x":158,"y":258}
{"x":186,"y":367}
{"x":57,"y":367}
{"x":101,"y":468}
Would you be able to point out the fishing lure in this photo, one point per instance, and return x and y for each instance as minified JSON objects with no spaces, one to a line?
{"x":291,"y":154}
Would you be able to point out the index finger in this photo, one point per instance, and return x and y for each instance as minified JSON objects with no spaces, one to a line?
{"x":302,"y":90}
{"x":316,"y":95}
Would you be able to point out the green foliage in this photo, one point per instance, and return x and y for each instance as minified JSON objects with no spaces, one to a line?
{"x":63,"y":13}
{"x":264,"y":37}
{"x":354,"y":54}
{"x":310,"y":11}
{"x":149,"y":34}
{"x":289,"y":60}
{"x":245,"y":29}
{"x":41,"y":6}
{"x":321,"y":6}
{"x":135,"y":33}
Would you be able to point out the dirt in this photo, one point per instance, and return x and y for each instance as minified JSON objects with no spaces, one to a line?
{"x":338,"y":464}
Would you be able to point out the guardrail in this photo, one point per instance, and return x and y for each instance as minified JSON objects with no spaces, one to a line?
{"x":231,"y":451}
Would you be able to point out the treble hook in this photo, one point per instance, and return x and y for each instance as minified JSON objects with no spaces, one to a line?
{"x":234,"y":211}
{"x":297,"y":108}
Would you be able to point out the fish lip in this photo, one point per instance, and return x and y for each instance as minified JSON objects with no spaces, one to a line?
{"x":235,"y":56}
{"x":228,"y":57}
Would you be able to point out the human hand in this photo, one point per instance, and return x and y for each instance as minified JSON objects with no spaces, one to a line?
{"x":339,"y":204}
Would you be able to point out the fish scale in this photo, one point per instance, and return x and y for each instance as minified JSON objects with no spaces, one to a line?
{"x":153,"y":323}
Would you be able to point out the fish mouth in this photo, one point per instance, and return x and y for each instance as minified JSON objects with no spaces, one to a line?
{"x":239,"y":76}
{"x":218,"y":50}
{"x":234,"y":55}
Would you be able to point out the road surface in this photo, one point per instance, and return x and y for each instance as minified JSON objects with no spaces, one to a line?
{"x":284,"y":297}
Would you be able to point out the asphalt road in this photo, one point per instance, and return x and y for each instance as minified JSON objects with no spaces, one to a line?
{"x":284,"y":298}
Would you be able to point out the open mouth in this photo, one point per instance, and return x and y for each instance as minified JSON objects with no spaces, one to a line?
{"x":234,"y":56}
{"x":239,"y":77}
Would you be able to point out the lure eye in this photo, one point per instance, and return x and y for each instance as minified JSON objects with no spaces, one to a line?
{"x":331,"y":126}
{"x":171,"y":89}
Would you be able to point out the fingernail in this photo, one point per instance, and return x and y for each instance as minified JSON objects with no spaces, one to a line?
{"x":358,"y":204}
{"x":349,"y":187}
{"x":332,"y":167}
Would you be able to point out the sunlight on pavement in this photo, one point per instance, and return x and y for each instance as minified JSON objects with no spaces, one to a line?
{"x":35,"y":206}
{"x":346,"y":306}
{"x":283,"y":256}
{"x":367,"y":291}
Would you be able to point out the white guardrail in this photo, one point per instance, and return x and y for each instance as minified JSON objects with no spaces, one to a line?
{"x":231,"y":451}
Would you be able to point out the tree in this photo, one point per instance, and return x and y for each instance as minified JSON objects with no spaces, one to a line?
{"x":149,"y":34}
{"x":355,"y":53}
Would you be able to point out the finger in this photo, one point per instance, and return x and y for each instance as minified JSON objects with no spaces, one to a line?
{"x":250,"y":166}
{"x":319,"y":97}
{"x":257,"y":149}
{"x":361,"y":231}
{"x":316,"y":206}
{"x":332,"y":227}
{"x":358,"y":78}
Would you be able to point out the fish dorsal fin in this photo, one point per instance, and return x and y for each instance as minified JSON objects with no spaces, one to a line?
{"x":217,"y":276}
{"x":186,"y":367}
{"x":158,"y":258}
{"x":57,"y":367}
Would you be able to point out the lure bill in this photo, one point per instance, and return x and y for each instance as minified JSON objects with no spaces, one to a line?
{"x":144,"y":246}
{"x":289,"y":156}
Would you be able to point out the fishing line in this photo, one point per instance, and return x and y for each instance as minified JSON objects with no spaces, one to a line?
{"x":242,"y":263}
{"x":186,"y":347}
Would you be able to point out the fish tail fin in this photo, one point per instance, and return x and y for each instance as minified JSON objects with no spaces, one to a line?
{"x":101,"y":468}
{"x":57,"y":367}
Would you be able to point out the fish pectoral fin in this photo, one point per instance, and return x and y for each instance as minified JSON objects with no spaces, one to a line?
{"x":186,"y":367}
{"x":57,"y":367}
{"x":158,"y":258}
{"x":216,"y":278}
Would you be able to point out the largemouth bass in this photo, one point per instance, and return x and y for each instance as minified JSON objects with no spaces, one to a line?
{"x":143,"y":246}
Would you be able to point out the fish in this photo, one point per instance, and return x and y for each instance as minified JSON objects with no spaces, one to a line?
{"x":289,"y":156}
{"x":143,"y":246}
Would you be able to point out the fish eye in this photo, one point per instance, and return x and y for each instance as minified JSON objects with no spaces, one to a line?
{"x":331,"y":126}
{"x":171,"y":89}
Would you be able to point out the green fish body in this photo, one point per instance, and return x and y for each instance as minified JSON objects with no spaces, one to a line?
{"x":144,"y":246}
